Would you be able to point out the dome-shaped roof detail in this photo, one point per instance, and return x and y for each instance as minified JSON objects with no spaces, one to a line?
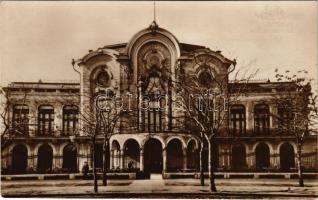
{"x":154,"y":32}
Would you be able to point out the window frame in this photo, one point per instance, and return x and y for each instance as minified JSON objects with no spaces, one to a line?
{"x":261,"y":119}
{"x":238,"y":117}
{"x":70,"y":119}
{"x":46,"y":120}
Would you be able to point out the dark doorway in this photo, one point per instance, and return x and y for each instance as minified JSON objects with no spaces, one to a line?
{"x":174,"y":156}
{"x":45,"y":158}
{"x":238,"y":157}
{"x":262,"y":156}
{"x":153,"y":156}
{"x":19,"y":159}
{"x":99,"y":156}
{"x":70,"y":158}
{"x":131,"y":154}
{"x":287,"y":157}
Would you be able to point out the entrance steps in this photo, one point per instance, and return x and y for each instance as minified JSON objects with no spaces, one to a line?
{"x":156,"y":177}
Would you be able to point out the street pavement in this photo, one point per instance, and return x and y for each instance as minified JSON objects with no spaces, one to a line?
{"x":170,"y":188}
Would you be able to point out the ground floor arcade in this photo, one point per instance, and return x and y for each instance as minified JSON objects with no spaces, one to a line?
{"x":155,"y":154}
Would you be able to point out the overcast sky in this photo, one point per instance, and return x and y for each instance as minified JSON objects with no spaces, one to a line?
{"x":39,"y":39}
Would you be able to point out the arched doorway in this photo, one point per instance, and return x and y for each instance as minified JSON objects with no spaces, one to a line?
{"x":131,"y":154}
{"x":192,"y":156}
{"x":19,"y":159}
{"x":153,"y":156}
{"x":115,"y":155}
{"x":45,"y":158}
{"x":238,"y":157}
{"x":262,"y":156}
{"x":70,"y":158}
{"x":174,"y":156}
{"x":287,"y":157}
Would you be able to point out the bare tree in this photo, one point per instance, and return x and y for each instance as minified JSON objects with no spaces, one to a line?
{"x":91,"y":127}
{"x":111,"y":113}
{"x":205,"y":102}
{"x":297,"y":106}
{"x":10,"y":127}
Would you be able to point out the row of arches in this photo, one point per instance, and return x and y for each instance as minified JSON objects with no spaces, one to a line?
{"x":44,"y":158}
{"x":175,"y":156}
{"x":178,"y":158}
{"x":262,"y":157}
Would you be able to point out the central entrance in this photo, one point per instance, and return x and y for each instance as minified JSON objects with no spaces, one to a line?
{"x":153,"y":156}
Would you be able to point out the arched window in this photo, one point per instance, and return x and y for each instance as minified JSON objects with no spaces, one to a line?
{"x":103,"y":79}
{"x":261,"y":119}
{"x":20,"y":119}
{"x":70,"y":119}
{"x":45,"y":120}
{"x":205,"y":78}
{"x":237,"y":119}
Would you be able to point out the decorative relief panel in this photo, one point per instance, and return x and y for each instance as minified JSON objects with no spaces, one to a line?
{"x":154,"y":60}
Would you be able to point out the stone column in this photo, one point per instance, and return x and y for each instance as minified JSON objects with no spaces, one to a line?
{"x":250,"y":157}
{"x":141,"y":161}
{"x":274,"y":158}
{"x":30,"y":163}
{"x":184,"y":151}
{"x":116,"y":158}
{"x":121,"y":159}
{"x":164,"y":160}
{"x":57,"y":160}
{"x":226,"y":157}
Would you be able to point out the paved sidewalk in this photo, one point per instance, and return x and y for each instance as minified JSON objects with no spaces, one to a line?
{"x":162,"y":188}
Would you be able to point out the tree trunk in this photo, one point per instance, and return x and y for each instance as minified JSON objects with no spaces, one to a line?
{"x":300,"y":171}
{"x":201,"y":166}
{"x":105,"y":146}
{"x":94,"y":167}
{"x":211,"y":167}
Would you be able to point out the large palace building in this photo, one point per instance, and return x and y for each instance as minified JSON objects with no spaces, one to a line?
{"x":47,"y":122}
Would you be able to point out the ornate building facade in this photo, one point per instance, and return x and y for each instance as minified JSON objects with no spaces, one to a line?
{"x":47,"y":119}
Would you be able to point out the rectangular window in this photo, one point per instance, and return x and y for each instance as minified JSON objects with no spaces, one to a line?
{"x":20,"y":121}
{"x":261,"y":119}
{"x":45,"y":120}
{"x":237,"y":119}
{"x":70,"y":120}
